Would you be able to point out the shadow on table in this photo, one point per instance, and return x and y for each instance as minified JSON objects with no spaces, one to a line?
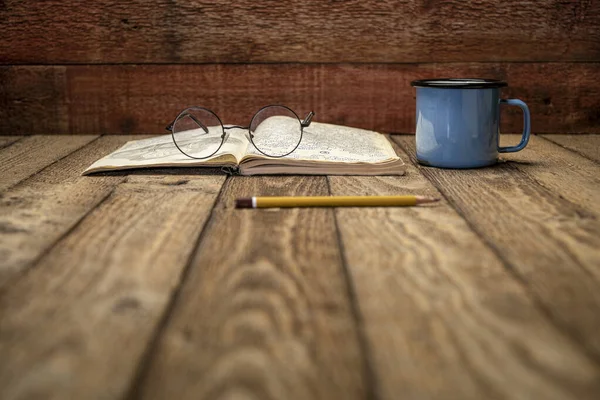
{"x":516,"y":163}
{"x":500,"y":165}
{"x":164,"y":171}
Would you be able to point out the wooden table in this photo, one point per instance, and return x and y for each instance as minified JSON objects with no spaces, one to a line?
{"x":151,"y":285}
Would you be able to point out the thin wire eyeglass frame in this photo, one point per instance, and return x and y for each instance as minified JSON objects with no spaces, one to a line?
{"x":224,"y":135}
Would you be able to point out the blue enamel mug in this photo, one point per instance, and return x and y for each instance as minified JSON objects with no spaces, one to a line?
{"x":458,"y":122}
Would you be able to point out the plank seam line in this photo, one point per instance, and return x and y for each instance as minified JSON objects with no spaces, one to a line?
{"x":52,"y":163}
{"x":371,"y":391}
{"x":300,"y":63}
{"x":578,"y":208}
{"x":568,"y":149}
{"x":11,"y":143}
{"x":570,"y":335}
{"x":137,"y":382}
{"x":33,"y":264}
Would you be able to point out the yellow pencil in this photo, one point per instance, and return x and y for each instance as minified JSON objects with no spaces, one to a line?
{"x":333,"y":201}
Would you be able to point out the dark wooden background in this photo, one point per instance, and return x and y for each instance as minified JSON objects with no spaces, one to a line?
{"x":111,"y":66}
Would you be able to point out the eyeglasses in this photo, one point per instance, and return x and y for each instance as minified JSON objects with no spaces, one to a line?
{"x":275,"y":131}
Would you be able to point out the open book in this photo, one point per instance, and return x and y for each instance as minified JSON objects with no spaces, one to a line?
{"x":325,"y":149}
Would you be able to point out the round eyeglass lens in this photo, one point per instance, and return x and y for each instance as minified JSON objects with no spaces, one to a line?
{"x":198,"y":132}
{"x":275,"y":131}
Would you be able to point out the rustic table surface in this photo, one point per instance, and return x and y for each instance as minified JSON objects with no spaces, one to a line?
{"x":151,"y":285}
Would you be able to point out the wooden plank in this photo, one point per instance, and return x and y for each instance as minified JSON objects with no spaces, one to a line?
{"x":32,"y":154}
{"x":405,"y":31}
{"x":550,"y":243}
{"x":144,"y":98}
{"x":265,"y":311}
{"x":77,"y":325}
{"x":443,"y":317}
{"x":563,"y":172}
{"x":33,"y":101}
{"x":6,"y":141}
{"x":586,"y":145}
{"x":36,"y":213}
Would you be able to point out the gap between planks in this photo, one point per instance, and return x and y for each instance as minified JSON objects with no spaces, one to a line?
{"x":6,"y":141}
{"x":586,"y":145}
{"x":32,"y":154}
{"x":134,"y":390}
{"x":38,"y":211}
{"x":371,"y":385}
{"x":563,"y":171}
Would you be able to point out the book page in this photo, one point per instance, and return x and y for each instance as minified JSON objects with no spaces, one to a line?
{"x":323,"y":143}
{"x":161,"y":151}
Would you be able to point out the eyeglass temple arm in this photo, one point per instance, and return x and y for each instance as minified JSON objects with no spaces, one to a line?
{"x":204,"y":128}
{"x":308,"y":119}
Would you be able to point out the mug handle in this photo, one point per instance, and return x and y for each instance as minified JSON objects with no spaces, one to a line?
{"x":526,"y":126}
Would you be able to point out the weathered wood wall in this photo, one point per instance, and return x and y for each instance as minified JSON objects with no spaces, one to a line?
{"x":129,"y":67}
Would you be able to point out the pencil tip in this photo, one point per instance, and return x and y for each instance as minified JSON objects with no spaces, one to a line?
{"x":245,"y":202}
{"x":425,"y":200}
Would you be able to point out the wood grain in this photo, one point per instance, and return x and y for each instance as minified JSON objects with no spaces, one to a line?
{"x":563,"y":172}
{"x":264,"y":312}
{"x":144,"y":98}
{"x":443,"y":317}
{"x":405,"y":31}
{"x":32,"y":154}
{"x":77,"y":324}
{"x":33,"y":100}
{"x":550,"y":243}
{"x":8,"y":140}
{"x":41,"y":209}
{"x":586,"y":145}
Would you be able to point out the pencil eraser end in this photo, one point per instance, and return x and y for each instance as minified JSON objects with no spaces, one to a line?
{"x":243,"y":202}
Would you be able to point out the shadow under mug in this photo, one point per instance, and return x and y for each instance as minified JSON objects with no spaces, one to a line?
{"x":458,"y":122}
